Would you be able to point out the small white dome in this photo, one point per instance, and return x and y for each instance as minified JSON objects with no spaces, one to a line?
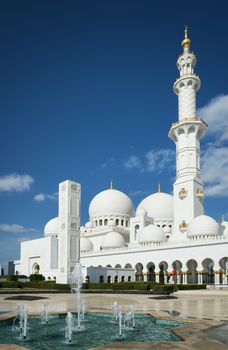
{"x":88,"y":224}
{"x":86,"y":244}
{"x":158,"y":206}
{"x":52,"y":227}
{"x":202,"y":225}
{"x":113,"y":240}
{"x":167,"y":229}
{"x":223,"y":228}
{"x":151,"y":233}
{"x":141,"y":211}
{"x":110,"y":202}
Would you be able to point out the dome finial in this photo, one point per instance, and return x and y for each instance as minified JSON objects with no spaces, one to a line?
{"x":186,"y":32}
{"x":186,"y":42}
{"x":111,"y":184}
{"x":222,"y":218}
{"x":159,"y":187}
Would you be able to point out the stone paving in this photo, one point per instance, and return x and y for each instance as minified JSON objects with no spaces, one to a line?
{"x":201,"y":309}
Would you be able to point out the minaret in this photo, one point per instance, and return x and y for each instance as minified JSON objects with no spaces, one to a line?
{"x":69,"y":235}
{"x":186,"y":133}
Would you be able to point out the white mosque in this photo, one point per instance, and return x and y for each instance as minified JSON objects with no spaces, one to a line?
{"x":166,"y":234}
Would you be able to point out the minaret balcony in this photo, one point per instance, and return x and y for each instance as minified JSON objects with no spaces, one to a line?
{"x":183,"y":193}
{"x":199,"y":193}
{"x":183,"y":226}
{"x":186,"y":126}
{"x":187,"y":80}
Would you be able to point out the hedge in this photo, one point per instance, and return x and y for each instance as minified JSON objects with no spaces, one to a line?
{"x":35,"y":285}
{"x":9,"y":284}
{"x":190,"y":286}
{"x":45,"y":285}
{"x":15,"y":277}
{"x":36,"y":277}
{"x":117,"y":286}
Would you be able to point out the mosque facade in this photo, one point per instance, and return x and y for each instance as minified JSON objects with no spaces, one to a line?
{"x":166,"y":234}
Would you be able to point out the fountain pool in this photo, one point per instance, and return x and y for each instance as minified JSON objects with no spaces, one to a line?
{"x":97,"y":329}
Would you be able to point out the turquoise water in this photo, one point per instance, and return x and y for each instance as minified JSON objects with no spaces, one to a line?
{"x":97,"y":329}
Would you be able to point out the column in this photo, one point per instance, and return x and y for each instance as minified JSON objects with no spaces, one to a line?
{"x":157,"y":276}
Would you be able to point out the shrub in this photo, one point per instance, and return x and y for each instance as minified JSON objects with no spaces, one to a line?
{"x":46,"y":285}
{"x":164,"y":288}
{"x":190,"y":286}
{"x":10,"y":284}
{"x":15,"y":277}
{"x":117,"y":286}
{"x":37,"y":277}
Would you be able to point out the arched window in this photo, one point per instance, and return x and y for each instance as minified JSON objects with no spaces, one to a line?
{"x":122,"y":278}
{"x":117,"y":222}
{"x":106,"y":222}
{"x":101,"y":279}
{"x":136,"y":232}
{"x":36,"y":268}
{"x":100,"y":222}
{"x":122,"y":222}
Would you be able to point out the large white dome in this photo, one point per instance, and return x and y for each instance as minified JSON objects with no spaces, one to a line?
{"x":151,"y":233}
{"x":52,"y":227}
{"x":110,"y":202}
{"x":158,"y":206}
{"x":203,"y":225}
{"x":86,"y":244}
{"x":113,"y":240}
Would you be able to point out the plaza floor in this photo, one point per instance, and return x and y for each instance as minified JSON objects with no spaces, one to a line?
{"x":206,"y":312}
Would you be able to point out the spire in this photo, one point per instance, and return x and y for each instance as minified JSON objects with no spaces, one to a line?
{"x":186,"y":42}
{"x":159,"y":187}
{"x":111,"y":185}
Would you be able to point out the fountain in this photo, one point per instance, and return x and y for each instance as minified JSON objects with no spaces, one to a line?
{"x":115,"y":311}
{"x":83,"y":309}
{"x":68,"y":330}
{"x":44,"y":313}
{"x":76,"y":283}
{"x":120,"y":322}
{"x":61,"y":332}
{"x":100,"y":326}
{"x":20,"y":322}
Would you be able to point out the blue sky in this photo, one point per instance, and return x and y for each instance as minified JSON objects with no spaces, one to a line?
{"x":86,"y":94}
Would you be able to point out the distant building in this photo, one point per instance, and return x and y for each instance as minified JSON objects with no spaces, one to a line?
{"x":11,"y":269}
{"x":1,"y":270}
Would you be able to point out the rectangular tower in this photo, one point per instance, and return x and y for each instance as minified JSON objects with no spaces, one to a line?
{"x":69,"y":235}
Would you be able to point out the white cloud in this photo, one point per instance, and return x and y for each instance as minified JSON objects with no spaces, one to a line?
{"x":215,"y":154}
{"x":15,"y":183}
{"x":215,"y":113}
{"x":138,"y":193}
{"x":41,"y":197}
{"x":133,"y":162}
{"x":14,"y":228}
{"x":158,"y":160}
{"x":215,"y":171}
{"x":154,"y":160}
{"x":110,"y":162}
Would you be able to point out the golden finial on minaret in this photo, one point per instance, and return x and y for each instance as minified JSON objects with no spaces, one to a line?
{"x":222,"y":218}
{"x":159,"y":187}
{"x":111,"y":185}
{"x":186,"y":42}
